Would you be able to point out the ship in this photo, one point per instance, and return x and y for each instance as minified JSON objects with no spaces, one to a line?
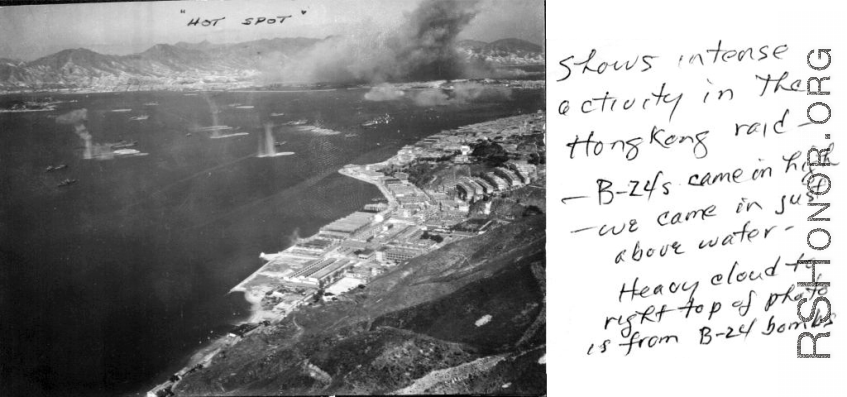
{"x":123,"y":144}
{"x":141,"y":117}
{"x":128,"y":153}
{"x":151,"y":104}
{"x":66,"y":182}
{"x":277,"y":114}
{"x":278,"y":144}
{"x":211,"y":128}
{"x":385,"y":119}
{"x":56,"y":167}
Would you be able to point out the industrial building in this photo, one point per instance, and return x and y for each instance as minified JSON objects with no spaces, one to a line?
{"x":398,"y":253}
{"x":376,"y":207}
{"x":495,"y":180}
{"x":320,"y":273}
{"x":317,"y":245}
{"x":508,"y":175}
{"x":348,"y":226}
{"x":465,"y":192}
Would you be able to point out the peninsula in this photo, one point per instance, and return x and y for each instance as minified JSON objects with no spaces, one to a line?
{"x":448,"y":187}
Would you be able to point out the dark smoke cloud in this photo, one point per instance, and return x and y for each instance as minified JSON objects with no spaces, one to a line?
{"x":421,"y":48}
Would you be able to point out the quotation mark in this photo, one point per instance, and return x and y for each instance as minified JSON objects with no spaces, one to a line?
{"x":182,"y":11}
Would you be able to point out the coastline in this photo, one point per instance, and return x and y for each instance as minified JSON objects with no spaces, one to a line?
{"x":256,"y":290}
{"x":257,"y":314}
{"x":203,"y":356}
{"x":253,"y":89}
{"x":360,"y":172}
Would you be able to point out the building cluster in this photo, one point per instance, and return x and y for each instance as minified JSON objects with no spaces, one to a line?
{"x":351,"y":251}
{"x":501,"y":179}
{"x":521,"y":137}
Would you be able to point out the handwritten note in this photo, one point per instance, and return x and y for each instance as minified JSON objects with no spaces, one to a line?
{"x":696,"y":201}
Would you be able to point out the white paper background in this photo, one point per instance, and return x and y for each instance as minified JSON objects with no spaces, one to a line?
{"x":584,"y":281}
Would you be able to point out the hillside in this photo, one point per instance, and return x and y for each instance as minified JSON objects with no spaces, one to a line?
{"x":187,"y":65}
{"x":418,"y":329}
{"x":505,"y":52}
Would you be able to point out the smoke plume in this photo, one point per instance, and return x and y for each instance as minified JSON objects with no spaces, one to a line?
{"x":461,"y":93}
{"x":383,"y":92}
{"x":431,"y":97}
{"x":77,"y":118}
{"x":91,"y":150}
{"x":467,"y":92}
{"x":420,"y":48}
{"x":73,"y":117}
{"x":294,"y":237}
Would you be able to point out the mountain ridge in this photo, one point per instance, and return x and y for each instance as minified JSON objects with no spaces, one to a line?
{"x":185,"y":63}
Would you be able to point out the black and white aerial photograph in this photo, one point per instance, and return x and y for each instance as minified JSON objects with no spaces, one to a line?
{"x":302,"y":197}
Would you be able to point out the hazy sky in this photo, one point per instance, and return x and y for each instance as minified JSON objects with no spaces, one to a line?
{"x":30,"y":32}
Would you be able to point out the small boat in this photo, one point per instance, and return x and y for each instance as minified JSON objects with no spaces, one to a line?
{"x":244,"y":107}
{"x":187,"y":134}
{"x":151,"y":104}
{"x":121,"y":110}
{"x":141,"y":117}
{"x":278,"y":144}
{"x":56,"y":167}
{"x":66,"y":182}
{"x":277,"y":114}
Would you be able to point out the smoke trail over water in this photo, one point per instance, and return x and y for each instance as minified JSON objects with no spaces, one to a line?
{"x":266,"y":142}
{"x":77,"y":118}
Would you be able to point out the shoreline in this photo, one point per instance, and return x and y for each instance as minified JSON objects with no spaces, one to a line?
{"x":256,"y":312}
{"x":255,"y":295}
{"x":202,"y":356}
{"x":415,"y":85}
